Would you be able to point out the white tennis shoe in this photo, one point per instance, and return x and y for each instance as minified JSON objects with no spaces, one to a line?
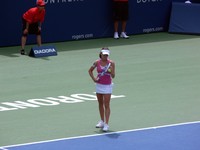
{"x":123,"y":35}
{"x":106,"y":127}
{"x":100,"y":124}
{"x":116,"y":36}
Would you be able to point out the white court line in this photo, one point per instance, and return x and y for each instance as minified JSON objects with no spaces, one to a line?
{"x":1,"y":148}
{"x":85,"y":136}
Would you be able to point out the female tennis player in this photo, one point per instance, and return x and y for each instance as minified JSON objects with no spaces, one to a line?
{"x":105,"y":72}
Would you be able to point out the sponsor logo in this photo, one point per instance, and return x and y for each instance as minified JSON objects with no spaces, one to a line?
{"x":148,"y":1}
{"x":156,"y":29}
{"x":82,"y":36}
{"x":50,"y":101}
{"x":61,"y":1}
{"x":42,"y":51}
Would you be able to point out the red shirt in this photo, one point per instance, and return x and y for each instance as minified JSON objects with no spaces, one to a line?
{"x":33,"y":15}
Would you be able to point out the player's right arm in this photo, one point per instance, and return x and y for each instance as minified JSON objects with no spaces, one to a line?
{"x":90,"y":71}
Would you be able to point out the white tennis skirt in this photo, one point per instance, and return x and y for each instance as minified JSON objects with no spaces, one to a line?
{"x":104,"y":88}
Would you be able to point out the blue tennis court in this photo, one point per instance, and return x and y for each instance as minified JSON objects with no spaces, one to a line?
{"x":183,"y":136}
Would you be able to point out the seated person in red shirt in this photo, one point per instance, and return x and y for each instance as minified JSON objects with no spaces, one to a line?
{"x":32,"y":22}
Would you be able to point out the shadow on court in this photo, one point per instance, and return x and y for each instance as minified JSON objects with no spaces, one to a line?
{"x":110,"y":134}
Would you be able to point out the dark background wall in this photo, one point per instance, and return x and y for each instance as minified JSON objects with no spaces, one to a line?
{"x":82,"y":19}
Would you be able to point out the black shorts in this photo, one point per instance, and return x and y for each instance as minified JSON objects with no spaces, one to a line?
{"x":120,"y":11}
{"x":33,"y":28}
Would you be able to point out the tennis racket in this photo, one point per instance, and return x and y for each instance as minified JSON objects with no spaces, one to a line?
{"x":104,"y":71}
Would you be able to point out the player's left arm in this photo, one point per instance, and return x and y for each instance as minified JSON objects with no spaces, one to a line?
{"x":112,"y":69}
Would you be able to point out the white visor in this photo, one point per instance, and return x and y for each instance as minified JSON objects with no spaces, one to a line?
{"x":105,"y":52}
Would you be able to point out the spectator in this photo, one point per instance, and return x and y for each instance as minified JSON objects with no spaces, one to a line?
{"x":120,"y":14}
{"x":32,"y":23}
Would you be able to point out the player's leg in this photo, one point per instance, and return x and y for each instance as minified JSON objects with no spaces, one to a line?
{"x":107,"y":107}
{"x":107,"y":111}
{"x":101,"y":110}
